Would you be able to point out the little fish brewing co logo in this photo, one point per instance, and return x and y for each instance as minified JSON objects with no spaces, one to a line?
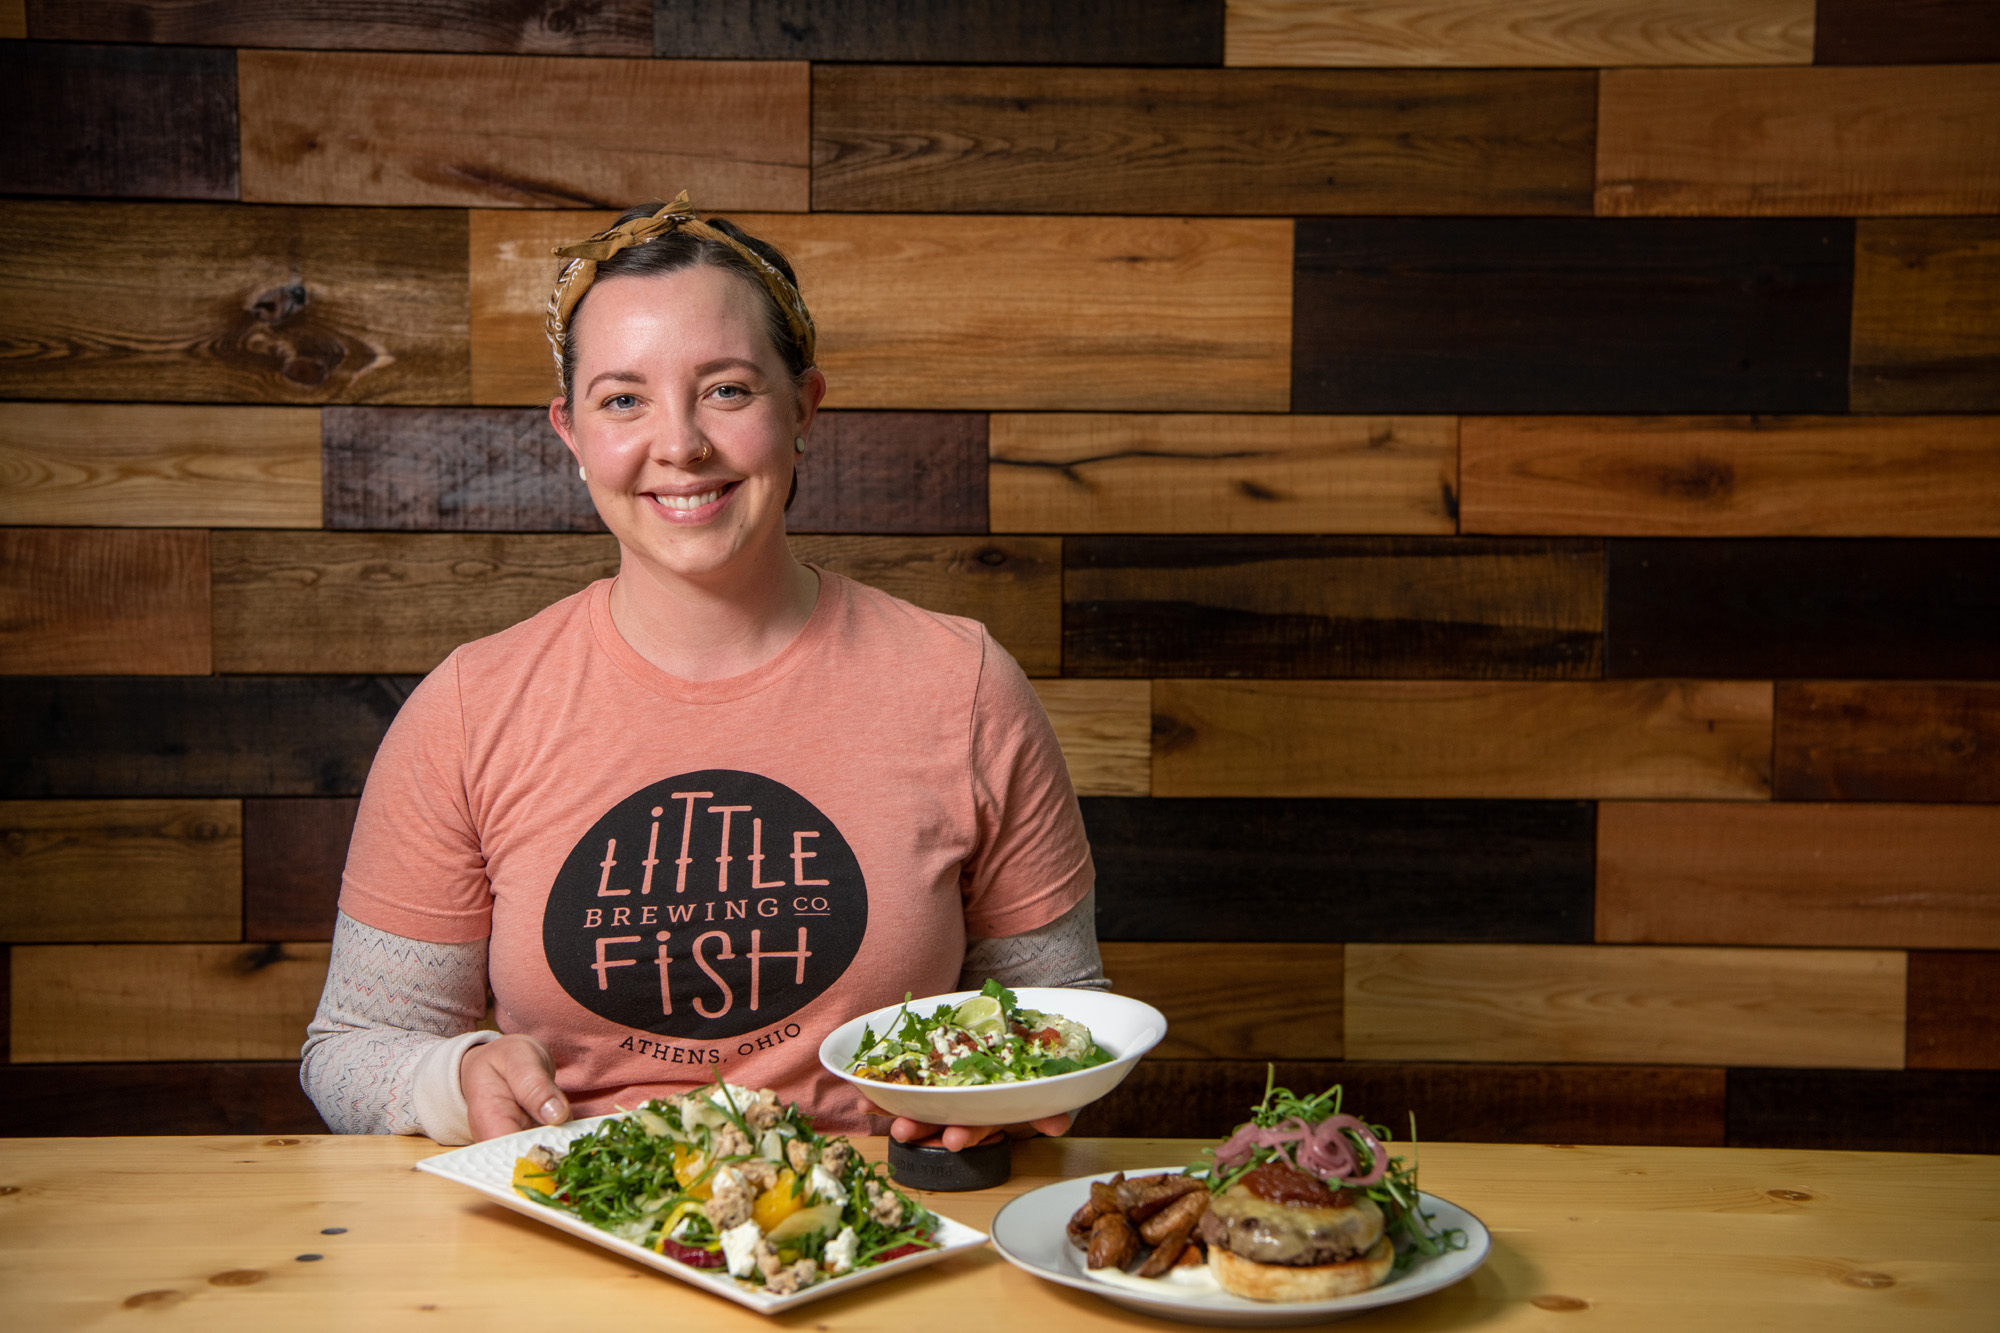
{"x":705,"y":906}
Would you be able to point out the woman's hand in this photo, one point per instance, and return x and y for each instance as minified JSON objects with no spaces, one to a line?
{"x":510,"y":1085}
{"x":960,"y":1137}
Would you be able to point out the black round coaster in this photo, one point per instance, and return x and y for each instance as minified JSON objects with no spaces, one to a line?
{"x":932,"y":1166}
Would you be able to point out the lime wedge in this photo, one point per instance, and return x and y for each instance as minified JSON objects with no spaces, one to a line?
{"x":981,"y":1016}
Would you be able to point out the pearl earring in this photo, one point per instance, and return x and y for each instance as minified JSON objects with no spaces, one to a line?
{"x":798,"y":444}
{"x":581,"y":475}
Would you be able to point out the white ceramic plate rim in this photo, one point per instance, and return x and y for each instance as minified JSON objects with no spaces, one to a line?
{"x":489,"y":1168}
{"x":840,"y":1044}
{"x":1029,"y":1229}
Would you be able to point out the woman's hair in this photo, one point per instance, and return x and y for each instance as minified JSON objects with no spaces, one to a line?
{"x":672,"y":251}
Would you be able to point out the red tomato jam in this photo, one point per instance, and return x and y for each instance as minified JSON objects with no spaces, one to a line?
{"x":1278,"y":1183}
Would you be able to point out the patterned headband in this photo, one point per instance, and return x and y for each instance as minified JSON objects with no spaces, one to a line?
{"x":575,"y":277}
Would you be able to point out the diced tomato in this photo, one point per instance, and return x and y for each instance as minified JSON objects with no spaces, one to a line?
{"x":1047,"y":1037}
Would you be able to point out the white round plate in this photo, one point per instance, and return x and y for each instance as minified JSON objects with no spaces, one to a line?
{"x":1126,"y":1028}
{"x":1029,"y":1234}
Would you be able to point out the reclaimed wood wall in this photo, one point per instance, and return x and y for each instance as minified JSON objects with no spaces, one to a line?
{"x":1500,"y":500}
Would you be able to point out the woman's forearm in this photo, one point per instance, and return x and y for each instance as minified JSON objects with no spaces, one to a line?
{"x":381,"y":1055}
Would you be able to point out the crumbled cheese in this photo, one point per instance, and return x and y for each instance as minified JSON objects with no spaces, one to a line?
{"x":840,"y":1251}
{"x":682,"y":1227}
{"x":739,"y":1248}
{"x":825,"y":1187}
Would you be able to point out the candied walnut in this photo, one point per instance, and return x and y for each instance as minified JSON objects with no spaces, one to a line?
{"x":884,"y":1205}
{"x":800,"y":1154}
{"x":1112,"y":1242}
{"x":757,"y":1173}
{"x":732,"y":1202}
{"x":729,"y":1141}
{"x":835,"y":1156}
{"x":763,"y":1113}
{"x":781,"y":1278}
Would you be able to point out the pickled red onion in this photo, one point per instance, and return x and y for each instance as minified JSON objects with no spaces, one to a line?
{"x":1323,"y":1149}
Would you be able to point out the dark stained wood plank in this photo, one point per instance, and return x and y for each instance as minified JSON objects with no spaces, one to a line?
{"x":83,"y":1003}
{"x":1241,"y":1001}
{"x":1927,"y":315}
{"x":293,"y":851}
{"x":120,"y":465}
{"x":1886,"y":609}
{"x":1867,"y":876}
{"x":1869,"y":741}
{"x":384,"y":602}
{"x":1571,"y":315}
{"x":100,"y":871}
{"x":1954,"y":1010}
{"x":342,"y":127}
{"x":103,"y":601}
{"x":953,"y":312}
{"x":1851,"y":476}
{"x":1905,"y":1110}
{"x":1906,"y":32}
{"x":945,"y":139}
{"x":905,"y":472}
{"x":193,"y":735}
{"x":1320,"y":607}
{"x":1797,"y":142}
{"x":1275,"y":869}
{"x":132,"y":121}
{"x":1013,"y":585}
{"x":6,"y":1005}
{"x":450,"y":469}
{"x":505,"y":470}
{"x":1470,"y":1103}
{"x":1592,"y":1004}
{"x":996,"y":32}
{"x":206,"y":1097}
{"x":295,"y":305}
{"x":1562,"y":740}
{"x":1207,"y":472}
{"x":1521,"y":32}
{"x":549,"y":27}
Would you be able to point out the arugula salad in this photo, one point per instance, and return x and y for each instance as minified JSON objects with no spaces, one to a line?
{"x":986,"y":1039}
{"x":726,"y":1177}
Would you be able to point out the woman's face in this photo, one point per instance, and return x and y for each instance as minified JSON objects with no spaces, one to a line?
{"x":682,"y":414}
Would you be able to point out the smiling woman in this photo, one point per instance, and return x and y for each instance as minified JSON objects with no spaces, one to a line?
{"x":865,"y":797}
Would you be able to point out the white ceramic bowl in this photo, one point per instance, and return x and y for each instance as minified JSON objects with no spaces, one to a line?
{"x":1124,"y":1027}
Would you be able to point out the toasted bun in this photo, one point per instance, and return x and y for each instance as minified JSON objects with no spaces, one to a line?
{"x":1283,"y":1282}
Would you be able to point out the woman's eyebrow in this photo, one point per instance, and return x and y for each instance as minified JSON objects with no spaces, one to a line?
{"x":616,"y":377}
{"x":727,"y":363}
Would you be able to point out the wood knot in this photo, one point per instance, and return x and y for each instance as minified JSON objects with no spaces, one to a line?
{"x":238,"y":1277}
{"x":1790,"y":1196}
{"x":278,"y":304}
{"x":1867,"y":1280}
{"x":258,"y":958}
{"x":992,"y":557}
{"x":1703,"y":479}
{"x":1170,"y":734}
{"x":165,"y":1296}
{"x":1560,"y":1304}
{"x":9,"y":1189}
{"x":282,"y":1143}
{"x":1251,"y":490}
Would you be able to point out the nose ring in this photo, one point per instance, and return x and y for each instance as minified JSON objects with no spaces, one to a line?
{"x":706,"y":450}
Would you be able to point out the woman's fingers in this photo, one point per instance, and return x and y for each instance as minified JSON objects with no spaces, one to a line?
{"x":510,"y":1085}
{"x":960,"y":1137}
{"x":906,"y":1130}
{"x":1055,"y":1126}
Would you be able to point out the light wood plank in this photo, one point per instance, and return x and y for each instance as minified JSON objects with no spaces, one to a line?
{"x":384,"y":602}
{"x":1927,"y":315}
{"x":1105,"y":729}
{"x":289,"y":305}
{"x":1882,"y":876}
{"x":1854,"y":142}
{"x":1235,"y":1001}
{"x":82,"y":601}
{"x":1731,"y":476}
{"x":1708,"y":740}
{"x":527,"y":131}
{"x":1104,"y":473}
{"x":1520,"y":32}
{"x":1803,"y":1008}
{"x":77,"y":1002}
{"x":154,"y":465}
{"x":1072,"y":314}
{"x":92,"y":871}
{"x":1012,"y":585}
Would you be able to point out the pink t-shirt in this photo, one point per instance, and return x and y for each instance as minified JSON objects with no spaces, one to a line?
{"x":683,"y":879}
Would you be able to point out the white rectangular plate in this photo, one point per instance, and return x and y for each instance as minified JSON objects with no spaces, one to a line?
{"x":489,"y":1168}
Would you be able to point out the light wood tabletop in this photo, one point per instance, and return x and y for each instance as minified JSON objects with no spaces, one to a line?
{"x":341,"y":1233}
